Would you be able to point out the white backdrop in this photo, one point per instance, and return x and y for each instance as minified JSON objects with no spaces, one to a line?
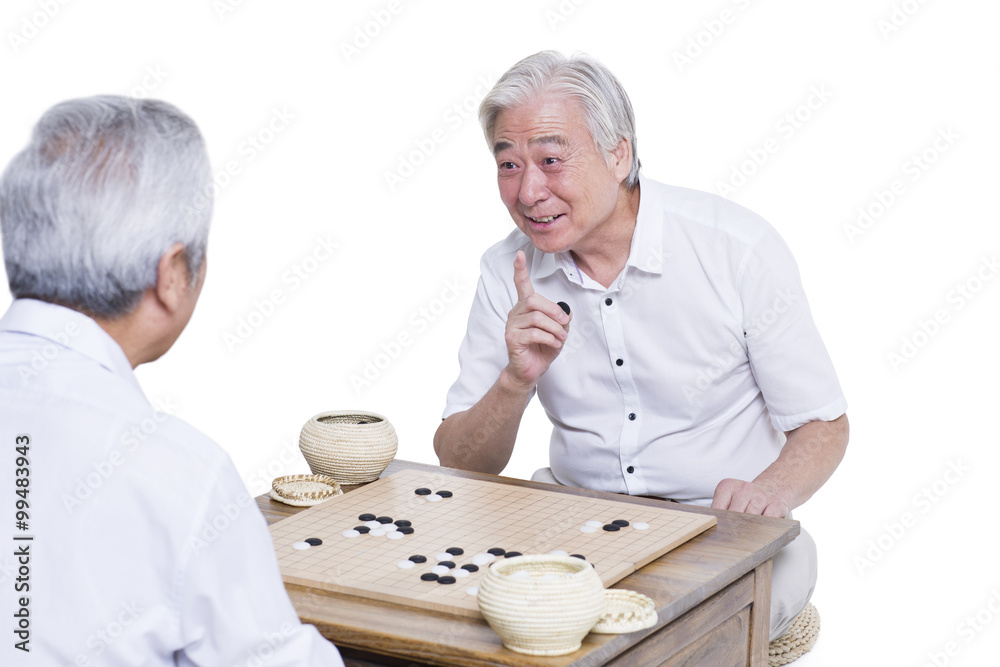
{"x":357,"y":195}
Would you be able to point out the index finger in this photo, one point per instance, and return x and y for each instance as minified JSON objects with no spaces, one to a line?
{"x":522,"y":281}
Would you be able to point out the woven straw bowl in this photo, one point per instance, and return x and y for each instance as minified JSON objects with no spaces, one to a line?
{"x":351,"y":446}
{"x":538,"y":614}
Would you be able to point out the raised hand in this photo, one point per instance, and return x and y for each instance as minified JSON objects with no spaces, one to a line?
{"x":536,"y":329}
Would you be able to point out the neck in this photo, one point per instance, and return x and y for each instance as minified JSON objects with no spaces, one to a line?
{"x":606,"y":254}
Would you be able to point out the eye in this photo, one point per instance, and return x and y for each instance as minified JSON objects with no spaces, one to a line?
{"x":506,"y":166}
{"x":549,"y":161}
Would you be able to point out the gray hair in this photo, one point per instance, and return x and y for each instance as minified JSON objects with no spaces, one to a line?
{"x":105,"y":186}
{"x":605,"y":103}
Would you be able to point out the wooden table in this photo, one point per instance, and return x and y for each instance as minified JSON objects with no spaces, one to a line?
{"x":713,"y":598}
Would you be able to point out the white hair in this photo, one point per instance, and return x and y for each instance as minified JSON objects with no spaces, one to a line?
{"x":105,"y":186}
{"x":605,"y":103}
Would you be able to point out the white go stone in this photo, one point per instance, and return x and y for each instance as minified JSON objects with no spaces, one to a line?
{"x":483,"y":559}
{"x":350,"y":533}
{"x":377,"y":532}
{"x":395,"y":535}
{"x":406,"y":564}
{"x":588,"y":529}
{"x":443,"y":556}
{"x":373,"y":524}
{"x":594,"y":524}
{"x":558,"y":552}
{"x":472,"y":590}
{"x":640,"y":525}
{"x":459,"y":573}
{"x":440,"y":570}
{"x":433,"y":498}
{"x":301,"y":546}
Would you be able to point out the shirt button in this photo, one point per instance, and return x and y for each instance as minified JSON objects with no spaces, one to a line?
{"x":630,"y":470}
{"x":631,"y":416}
{"x":608,"y":301}
{"x":619,"y":361}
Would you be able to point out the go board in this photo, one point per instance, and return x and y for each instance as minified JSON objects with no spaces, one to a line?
{"x":384,"y":541}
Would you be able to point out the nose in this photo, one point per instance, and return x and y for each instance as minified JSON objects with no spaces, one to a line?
{"x":533,"y":188}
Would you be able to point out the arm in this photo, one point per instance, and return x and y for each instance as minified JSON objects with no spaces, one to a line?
{"x":810,"y":455}
{"x":482,"y":437}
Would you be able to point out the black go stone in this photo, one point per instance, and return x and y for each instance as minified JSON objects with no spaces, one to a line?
{"x":406,"y":530}
{"x":428,"y":576}
{"x":417,"y":558}
{"x":362,"y":529}
{"x":612,"y":528}
{"x":447,"y":563}
{"x":564,"y":306}
{"x":384,"y":519}
{"x":447,"y":579}
{"x":423,"y":492}
{"x":314,"y":541}
{"x":445,"y":494}
{"x":620,"y":522}
{"x":512,"y":554}
{"x":580,"y":556}
{"x":403,"y":523}
{"x":496,"y":551}
{"x":455,"y":551}
{"x":471,"y":567}
{"x":366,"y":517}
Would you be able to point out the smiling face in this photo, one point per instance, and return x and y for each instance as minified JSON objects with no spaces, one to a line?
{"x":559,"y":190}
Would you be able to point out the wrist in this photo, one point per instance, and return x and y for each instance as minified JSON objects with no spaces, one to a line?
{"x":511,"y":386}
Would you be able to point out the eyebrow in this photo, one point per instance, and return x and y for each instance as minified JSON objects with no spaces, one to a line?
{"x":556,"y":139}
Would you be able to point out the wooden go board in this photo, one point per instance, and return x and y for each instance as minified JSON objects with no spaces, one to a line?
{"x":477,"y":517}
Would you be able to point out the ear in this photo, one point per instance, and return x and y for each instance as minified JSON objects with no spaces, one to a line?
{"x":172,"y":277}
{"x":621,"y":159}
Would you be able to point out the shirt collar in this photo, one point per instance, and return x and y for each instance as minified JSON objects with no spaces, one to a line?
{"x":69,"y":329}
{"x":646,"y":253}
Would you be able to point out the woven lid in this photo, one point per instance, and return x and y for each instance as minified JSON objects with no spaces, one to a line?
{"x":797,"y":640}
{"x":304,"y":490}
{"x":625,"y":611}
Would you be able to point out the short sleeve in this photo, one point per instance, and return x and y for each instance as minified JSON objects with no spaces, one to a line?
{"x":787,"y":355}
{"x":233,"y":604}
{"x":483,"y":353}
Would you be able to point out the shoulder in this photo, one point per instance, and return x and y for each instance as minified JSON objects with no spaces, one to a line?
{"x":702,"y":212}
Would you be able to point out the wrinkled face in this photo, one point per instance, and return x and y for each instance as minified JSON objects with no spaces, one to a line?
{"x":557,"y":187}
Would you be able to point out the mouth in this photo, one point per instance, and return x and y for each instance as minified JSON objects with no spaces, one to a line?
{"x":544,"y":221}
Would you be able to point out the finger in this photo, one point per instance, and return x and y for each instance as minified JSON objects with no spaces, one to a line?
{"x":522,"y":281}
{"x":723,"y":495}
{"x":537,"y":319}
{"x":527,"y":337}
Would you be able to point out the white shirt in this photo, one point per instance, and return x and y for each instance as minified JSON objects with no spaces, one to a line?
{"x":147,"y":549}
{"x":658,"y":390}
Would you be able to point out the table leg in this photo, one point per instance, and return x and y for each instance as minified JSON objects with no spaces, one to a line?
{"x":760,"y":615}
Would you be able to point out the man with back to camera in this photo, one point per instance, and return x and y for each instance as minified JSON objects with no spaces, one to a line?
{"x":692,"y":370}
{"x":146,"y":547}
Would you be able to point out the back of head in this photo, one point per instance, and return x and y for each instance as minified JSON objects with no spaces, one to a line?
{"x":105,"y":186}
{"x":605,"y":103}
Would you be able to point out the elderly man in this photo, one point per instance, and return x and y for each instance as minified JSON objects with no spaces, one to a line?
{"x":137,"y":543}
{"x":687,"y":365}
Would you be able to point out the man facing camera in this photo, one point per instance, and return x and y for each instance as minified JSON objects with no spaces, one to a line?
{"x":686,"y":364}
{"x":142,"y":543}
